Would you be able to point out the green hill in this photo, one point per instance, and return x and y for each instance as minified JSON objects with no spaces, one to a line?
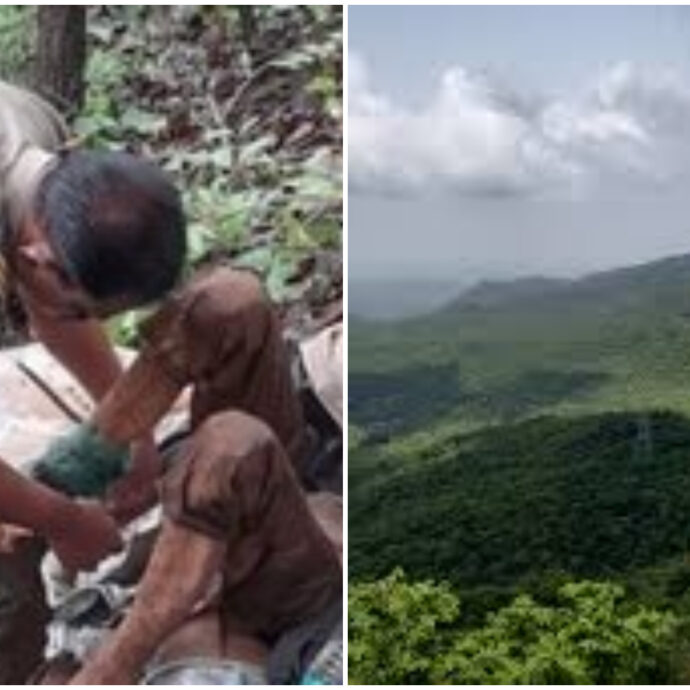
{"x":527,"y":435}
{"x":527,"y":426}
{"x":618,"y":340}
{"x":593,"y":496}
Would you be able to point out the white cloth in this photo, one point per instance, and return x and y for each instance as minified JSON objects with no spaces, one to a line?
{"x":31,"y":132}
{"x":322,"y":356}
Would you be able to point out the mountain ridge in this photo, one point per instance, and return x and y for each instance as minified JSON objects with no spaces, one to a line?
{"x":615,"y":339}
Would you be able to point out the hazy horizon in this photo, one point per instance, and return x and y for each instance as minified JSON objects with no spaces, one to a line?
{"x":395,"y":296}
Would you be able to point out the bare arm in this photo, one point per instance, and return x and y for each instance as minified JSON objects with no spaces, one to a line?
{"x":130,"y":403}
{"x":137,"y":402}
{"x":83,"y":348}
{"x":26,"y":503}
{"x":81,"y":534}
{"x":166,"y":596}
{"x":134,"y":405}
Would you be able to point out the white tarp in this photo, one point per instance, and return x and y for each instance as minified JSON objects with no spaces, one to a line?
{"x":39,"y":400}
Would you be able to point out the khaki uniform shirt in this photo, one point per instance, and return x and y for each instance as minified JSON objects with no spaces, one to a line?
{"x":31,"y":132}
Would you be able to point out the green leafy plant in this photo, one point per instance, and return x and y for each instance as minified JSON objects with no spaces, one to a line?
{"x":17,"y":35}
{"x":394,"y":629}
{"x":259,"y":163}
{"x":403,"y":632}
{"x":588,"y":637}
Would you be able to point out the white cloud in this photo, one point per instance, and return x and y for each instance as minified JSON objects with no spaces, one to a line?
{"x":474,"y":137}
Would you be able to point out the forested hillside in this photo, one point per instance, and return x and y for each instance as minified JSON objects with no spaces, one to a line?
{"x":611,"y":341}
{"x":526,"y":436}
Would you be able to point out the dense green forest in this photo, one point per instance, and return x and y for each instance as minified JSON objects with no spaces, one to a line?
{"x":590,"y":496}
{"x":528,"y":439}
{"x":585,"y":633}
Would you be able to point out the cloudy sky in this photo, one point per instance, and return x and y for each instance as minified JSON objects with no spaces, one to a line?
{"x":497,"y":141}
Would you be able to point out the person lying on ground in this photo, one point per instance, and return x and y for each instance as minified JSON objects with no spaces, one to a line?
{"x":83,"y":235}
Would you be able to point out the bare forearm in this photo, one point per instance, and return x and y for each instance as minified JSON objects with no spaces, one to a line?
{"x":136,"y":403}
{"x":84,"y":349}
{"x":165,"y":598}
{"x":29,"y":504}
{"x":120,"y":660}
{"x":80,"y":533}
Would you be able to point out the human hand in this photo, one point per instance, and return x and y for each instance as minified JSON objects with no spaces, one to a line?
{"x":83,"y":535}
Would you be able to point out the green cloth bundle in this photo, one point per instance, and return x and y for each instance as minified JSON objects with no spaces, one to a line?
{"x":81,"y":463}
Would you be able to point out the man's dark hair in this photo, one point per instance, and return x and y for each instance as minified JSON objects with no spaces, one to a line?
{"x":116,"y":224}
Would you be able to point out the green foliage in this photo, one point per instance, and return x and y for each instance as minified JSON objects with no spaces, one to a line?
{"x":124,"y":328}
{"x":413,"y":633}
{"x":394,"y":629}
{"x":528,"y":434}
{"x":17,"y":35}
{"x":247,"y":124}
{"x":591,"y":496}
{"x":355,"y":437}
{"x":479,"y":497}
{"x":99,"y":123}
{"x":586,"y":638}
{"x":613,"y":341}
